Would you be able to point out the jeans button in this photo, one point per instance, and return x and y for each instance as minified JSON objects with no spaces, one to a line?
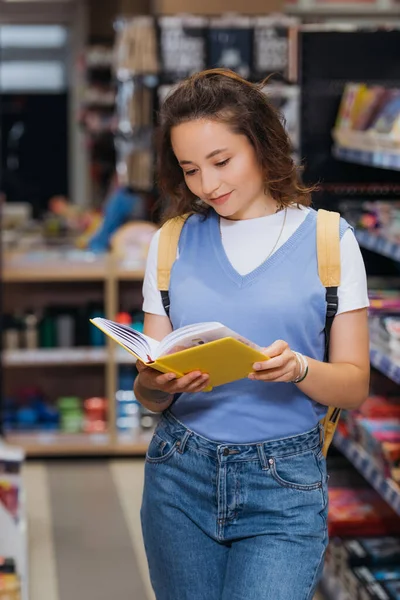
{"x":226,"y":452}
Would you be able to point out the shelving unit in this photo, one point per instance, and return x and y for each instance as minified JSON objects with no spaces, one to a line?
{"x":361,"y":460}
{"x":332,"y":588}
{"x":14,"y":532}
{"x":378,"y":243}
{"x":50,"y":274}
{"x":44,"y":443}
{"x":371,"y":158}
{"x":386,"y":364}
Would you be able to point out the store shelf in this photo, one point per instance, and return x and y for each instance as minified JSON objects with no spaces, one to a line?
{"x":380,"y":159}
{"x":332,"y":588}
{"x":43,"y":357}
{"x":363,"y":462}
{"x":65,"y":444}
{"x":385,"y":363}
{"x":378,"y":244}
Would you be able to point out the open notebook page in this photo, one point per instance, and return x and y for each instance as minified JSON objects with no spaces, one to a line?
{"x":141,"y":345}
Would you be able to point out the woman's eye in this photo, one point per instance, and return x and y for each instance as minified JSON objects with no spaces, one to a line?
{"x":223,"y":163}
{"x":189,"y":173}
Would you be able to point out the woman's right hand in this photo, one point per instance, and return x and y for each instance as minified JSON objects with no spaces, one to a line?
{"x":169,"y":383}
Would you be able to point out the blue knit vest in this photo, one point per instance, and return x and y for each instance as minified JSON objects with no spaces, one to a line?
{"x":283,"y":298}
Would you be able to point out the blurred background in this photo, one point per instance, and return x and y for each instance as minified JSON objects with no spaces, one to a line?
{"x":80,"y":85}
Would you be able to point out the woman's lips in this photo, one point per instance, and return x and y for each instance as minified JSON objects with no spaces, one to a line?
{"x":221,"y":199}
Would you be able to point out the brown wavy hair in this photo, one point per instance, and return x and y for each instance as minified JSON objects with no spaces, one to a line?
{"x":222,"y":95}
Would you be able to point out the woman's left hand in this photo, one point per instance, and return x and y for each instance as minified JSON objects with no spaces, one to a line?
{"x":282,"y":364}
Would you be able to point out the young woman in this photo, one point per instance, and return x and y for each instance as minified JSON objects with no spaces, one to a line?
{"x":235,"y":497}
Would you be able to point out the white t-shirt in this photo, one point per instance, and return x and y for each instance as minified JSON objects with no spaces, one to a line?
{"x":248,"y":243}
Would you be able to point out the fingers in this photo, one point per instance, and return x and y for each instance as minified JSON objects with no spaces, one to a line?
{"x":192,"y":382}
{"x":275,"y":375}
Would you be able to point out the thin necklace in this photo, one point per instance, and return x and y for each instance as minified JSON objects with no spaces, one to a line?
{"x":278,"y":238}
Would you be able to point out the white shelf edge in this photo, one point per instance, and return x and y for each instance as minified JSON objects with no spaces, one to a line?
{"x":54,"y":356}
{"x":360,"y":459}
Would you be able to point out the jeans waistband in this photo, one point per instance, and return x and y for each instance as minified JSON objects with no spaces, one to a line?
{"x":296,"y":444}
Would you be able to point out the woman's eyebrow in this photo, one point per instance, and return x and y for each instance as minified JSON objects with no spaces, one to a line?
{"x":213,"y":153}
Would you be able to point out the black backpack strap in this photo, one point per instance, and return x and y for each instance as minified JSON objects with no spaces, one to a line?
{"x":165,"y":300}
{"x":332,"y":303}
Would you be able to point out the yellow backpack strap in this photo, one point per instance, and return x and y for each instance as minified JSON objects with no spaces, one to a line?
{"x":167,"y":249}
{"x":328,"y":251}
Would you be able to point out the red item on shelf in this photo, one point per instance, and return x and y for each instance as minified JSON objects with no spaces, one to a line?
{"x":124,"y":318}
{"x":95,"y":415}
{"x":356,"y":512}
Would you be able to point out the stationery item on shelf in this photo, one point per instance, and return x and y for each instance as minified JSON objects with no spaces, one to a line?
{"x":209,"y":347}
{"x":11,"y":333}
{"x":147,"y":418}
{"x":275,"y":46}
{"x":286,"y":99}
{"x":134,"y":106}
{"x":372,"y":101}
{"x":30,"y":332}
{"x":7,"y":565}
{"x":47,"y":330}
{"x":135,"y":47}
{"x":126,"y":377}
{"x":230,"y":43}
{"x":65,"y":331}
{"x":10,"y":587}
{"x":124,"y":318}
{"x":71,"y":414}
{"x":350,"y":105}
{"x":370,"y":551}
{"x":95,"y":415}
{"x":128,"y":410}
{"x":355,"y":512}
{"x":9,"y":495}
{"x":182,"y":46}
{"x":387,"y":120}
{"x":135,"y":159}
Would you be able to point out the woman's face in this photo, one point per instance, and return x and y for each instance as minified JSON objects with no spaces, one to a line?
{"x":221,"y":168}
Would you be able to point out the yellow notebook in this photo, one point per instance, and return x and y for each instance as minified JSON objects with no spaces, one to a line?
{"x":207,"y":347}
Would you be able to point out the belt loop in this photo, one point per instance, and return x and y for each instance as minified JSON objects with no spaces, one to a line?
{"x":262,"y":457}
{"x":182,"y":443}
{"x":321,"y":434}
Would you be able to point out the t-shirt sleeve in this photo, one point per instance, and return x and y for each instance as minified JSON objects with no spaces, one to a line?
{"x":152,"y":302}
{"x":353,"y":289}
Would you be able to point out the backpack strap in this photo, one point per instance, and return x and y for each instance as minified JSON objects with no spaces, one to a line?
{"x":328,"y":252}
{"x":167,"y":249}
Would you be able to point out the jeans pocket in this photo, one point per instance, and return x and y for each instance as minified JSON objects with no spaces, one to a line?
{"x":160,"y":450}
{"x":297,"y":471}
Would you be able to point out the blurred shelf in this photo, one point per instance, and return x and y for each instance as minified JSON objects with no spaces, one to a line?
{"x":61,"y":270}
{"x":332,"y":588}
{"x":362,"y":461}
{"x":124,"y":274}
{"x":54,"y":356}
{"x":123,"y":357}
{"x":378,"y":244}
{"x":370,"y":158}
{"x":45,"y":443}
{"x":387,"y":365}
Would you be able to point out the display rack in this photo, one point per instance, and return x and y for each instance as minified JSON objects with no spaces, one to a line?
{"x":378,"y":243}
{"x":386,"y":364}
{"x":54,"y":271}
{"x":14,"y":532}
{"x":370,"y":158}
{"x":332,"y":588}
{"x":363,"y":462}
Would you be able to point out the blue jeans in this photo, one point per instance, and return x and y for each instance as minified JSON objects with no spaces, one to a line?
{"x":234,"y":522}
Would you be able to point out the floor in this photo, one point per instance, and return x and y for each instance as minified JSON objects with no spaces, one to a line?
{"x":84,"y":531}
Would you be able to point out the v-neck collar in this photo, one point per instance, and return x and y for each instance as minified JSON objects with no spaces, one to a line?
{"x":242,"y":280}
